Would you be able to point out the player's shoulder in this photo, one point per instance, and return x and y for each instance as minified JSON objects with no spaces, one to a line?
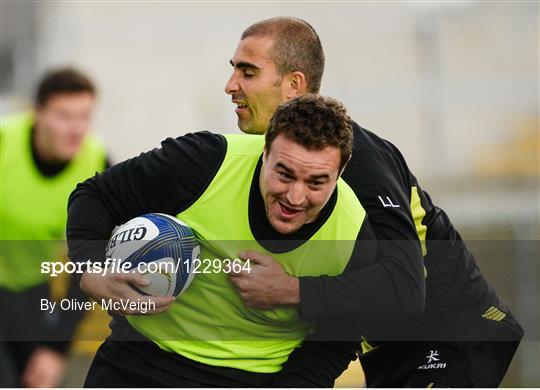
{"x":374,"y":158}
{"x":203,"y":147}
{"x":369,"y":146}
{"x":201,"y":136}
{"x":199,"y":141}
{"x":367,"y":141}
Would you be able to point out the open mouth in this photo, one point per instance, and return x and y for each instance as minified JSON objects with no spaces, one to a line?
{"x":287,"y":212}
{"x":241,"y":107}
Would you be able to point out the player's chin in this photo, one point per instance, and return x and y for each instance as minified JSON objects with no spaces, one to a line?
{"x":285,"y":227}
{"x":67,"y":154}
{"x":248,"y":127}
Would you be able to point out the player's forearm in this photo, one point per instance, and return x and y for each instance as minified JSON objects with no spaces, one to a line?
{"x":391,"y":287}
{"x":379,"y":293}
{"x":290,"y":295}
{"x":88,"y":227}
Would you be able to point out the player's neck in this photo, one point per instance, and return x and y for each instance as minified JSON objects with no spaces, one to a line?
{"x":44,"y":160}
{"x":42,"y":147}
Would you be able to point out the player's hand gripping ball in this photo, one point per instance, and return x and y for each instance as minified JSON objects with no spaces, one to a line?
{"x":158,"y":246}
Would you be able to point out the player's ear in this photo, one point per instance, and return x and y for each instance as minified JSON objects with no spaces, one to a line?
{"x":297,"y":85}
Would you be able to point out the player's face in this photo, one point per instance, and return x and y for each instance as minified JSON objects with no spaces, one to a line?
{"x":255,"y":85}
{"x":296,"y":183}
{"x":62,"y":122}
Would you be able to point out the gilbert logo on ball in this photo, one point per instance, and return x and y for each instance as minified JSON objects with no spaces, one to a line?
{"x":159,"y":246}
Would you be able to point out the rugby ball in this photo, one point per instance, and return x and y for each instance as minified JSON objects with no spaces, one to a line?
{"x":159,"y":246}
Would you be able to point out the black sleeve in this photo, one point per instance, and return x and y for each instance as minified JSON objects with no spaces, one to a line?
{"x":381,"y":180}
{"x":167,"y":180}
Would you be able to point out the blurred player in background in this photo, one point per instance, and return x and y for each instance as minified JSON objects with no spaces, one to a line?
{"x":44,"y":154}
{"x":449,"y":317}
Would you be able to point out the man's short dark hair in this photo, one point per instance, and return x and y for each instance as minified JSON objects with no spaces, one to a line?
{"x":297,"y":47}
{"x":315,"y":122}
{"x":64,"y":80}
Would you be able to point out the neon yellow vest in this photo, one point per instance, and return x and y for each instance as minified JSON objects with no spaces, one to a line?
{"x":33,"y":208}
{"x":209,"y":322}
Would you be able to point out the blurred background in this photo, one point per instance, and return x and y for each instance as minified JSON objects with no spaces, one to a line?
{"x":455,"y":86}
